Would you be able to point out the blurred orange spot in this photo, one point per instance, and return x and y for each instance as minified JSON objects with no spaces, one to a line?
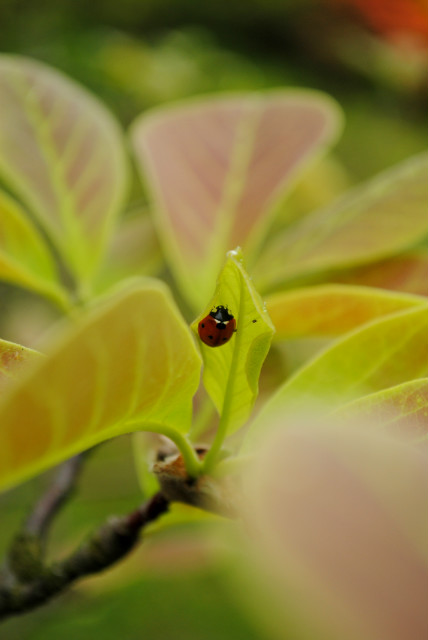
{"x":393,"y":18}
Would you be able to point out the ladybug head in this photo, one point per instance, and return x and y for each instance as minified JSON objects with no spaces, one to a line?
{"x":221,"y":314}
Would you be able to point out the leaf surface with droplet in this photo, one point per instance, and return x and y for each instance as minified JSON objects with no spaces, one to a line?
{"x":231,"y":371}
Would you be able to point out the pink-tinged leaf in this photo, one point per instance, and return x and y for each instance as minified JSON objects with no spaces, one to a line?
{"x":377,"y":220}
{"x":401,"y":409}
{"x":407,"y":272}
{"x":335,"y":534}
{"x":128,"y":364}
{"x":332,"y":309}
{"x":134,"y":250}
{"x":217,"y":167}
{"x":61,"y":152}
{"x":13,"y":361}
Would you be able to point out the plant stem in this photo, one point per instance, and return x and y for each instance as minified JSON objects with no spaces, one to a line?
{"x":190,"y":457}
{"x":220,"y":435}
{"x":183,"y":444}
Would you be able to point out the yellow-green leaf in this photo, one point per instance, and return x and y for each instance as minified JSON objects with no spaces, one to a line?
{"x":130,"y":363}
{"x":217,"y":168}
{"x":13,"y":361}
{"x":61,"y":152}
{"x":378,"y":355}
{"x":332,"y":309}
{"x":402,"y":409}
{"x":231,"y":371}
{"x":377,"y":220}
{"x":24,"y":258}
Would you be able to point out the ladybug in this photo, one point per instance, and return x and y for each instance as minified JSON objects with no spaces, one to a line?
{"x":217,"y":327}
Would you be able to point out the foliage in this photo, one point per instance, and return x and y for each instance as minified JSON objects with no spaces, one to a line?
{"x":108,"y":375}
{"x":349,"y":526}
{"x":218,"y":171}
{"x":69,"y":167}
{"x":239,"y":142}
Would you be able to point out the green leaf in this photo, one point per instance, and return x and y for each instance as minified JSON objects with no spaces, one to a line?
{"x":61,"y":152}
{"x":402,"y":409}
{"x":332,"y":309}
{"x":24,"y":258}
{"x":217,"y":168}
{"x":377,"y":220}
{"x":129,"y":364}
{"x":378,"y":355}
{"x":231,"y":371}
{"x":14,"y":358}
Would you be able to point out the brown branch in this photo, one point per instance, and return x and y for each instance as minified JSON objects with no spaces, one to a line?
{"x":27,"y":581}
{"x":57,"y":494}
{"x":111,"y":542}
{"x":25,"y":558}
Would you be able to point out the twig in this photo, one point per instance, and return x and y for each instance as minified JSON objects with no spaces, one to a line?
{"x":27,"y":581}
{"x":25,"y":558}
{"x":106,"y":546}
{"x":58,"y":492}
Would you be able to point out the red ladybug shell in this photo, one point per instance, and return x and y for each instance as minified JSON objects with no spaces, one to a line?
{"x":217,"y":327}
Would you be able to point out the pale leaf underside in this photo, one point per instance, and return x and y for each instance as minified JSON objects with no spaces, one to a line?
{"x":401,"y":409}
{"x":217,"y":167}
{"x":61,"y":152}
{"x":405,"y":272}
{"x":377,"y":220}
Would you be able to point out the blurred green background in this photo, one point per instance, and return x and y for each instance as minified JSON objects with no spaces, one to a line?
{"x":139,"y":53}
{"x":135,"y":55}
